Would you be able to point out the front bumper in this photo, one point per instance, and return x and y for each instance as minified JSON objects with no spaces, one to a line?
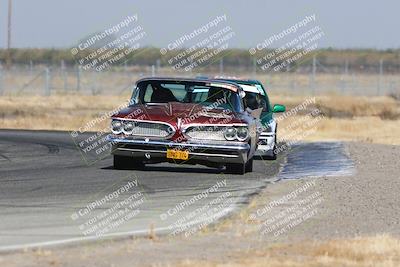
{"x":199,"y":152}
{"x":266,"y":144}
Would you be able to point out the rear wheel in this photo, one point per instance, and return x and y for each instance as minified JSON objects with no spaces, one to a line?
{"x":127,"y":163}
{"x":249,"y":165}
{"x":274,"y":154}
{"x":236,"y":168}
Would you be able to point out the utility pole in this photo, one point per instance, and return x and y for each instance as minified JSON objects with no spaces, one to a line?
{"x":8,"y":60}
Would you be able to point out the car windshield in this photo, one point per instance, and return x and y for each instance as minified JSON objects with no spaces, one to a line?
{"x":255,"y":97}
{"x":255,"y":94}
{"x":155,"y":92}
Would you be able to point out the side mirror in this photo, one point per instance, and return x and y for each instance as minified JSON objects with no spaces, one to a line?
{"x":278,"y":108}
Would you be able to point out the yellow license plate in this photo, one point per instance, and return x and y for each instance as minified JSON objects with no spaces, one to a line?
{"x":177,"y":154}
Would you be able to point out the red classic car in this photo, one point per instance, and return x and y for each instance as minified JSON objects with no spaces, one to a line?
{"x":188,"y":121}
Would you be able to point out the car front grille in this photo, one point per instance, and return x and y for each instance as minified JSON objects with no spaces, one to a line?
{"x":152,"y":129}
{"x":206,"y":133}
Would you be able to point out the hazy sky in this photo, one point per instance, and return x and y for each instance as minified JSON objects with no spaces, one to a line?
{"x":347,"y":24}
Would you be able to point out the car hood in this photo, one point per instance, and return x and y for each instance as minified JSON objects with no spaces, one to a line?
{"x":187,"y":113}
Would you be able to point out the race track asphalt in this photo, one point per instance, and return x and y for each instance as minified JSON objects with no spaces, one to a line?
{"x":51,"y":195}
{"x":46,"y":186}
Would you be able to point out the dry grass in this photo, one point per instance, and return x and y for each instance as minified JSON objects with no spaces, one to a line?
{"x":367,"y":119}
{"x":370,"y":129}
{"x":367,"y":251}
{"x":335,"y":106}
{"x":67,"y":112}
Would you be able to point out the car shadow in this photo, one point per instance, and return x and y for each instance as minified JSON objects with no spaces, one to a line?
{"x":173,"y":168}
{"x":262,"y":158}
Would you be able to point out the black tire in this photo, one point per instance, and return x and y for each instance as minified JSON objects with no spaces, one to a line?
{"x":236,"y":168}
{"x":249,"y":165}
{"x":127,"y":163}
{"x":274,"y":155}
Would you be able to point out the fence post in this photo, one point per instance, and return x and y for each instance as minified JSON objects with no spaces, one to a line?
{"x":78,"y":78}
{"x":345,"y":76}
{"x":94,"y":86}
{"x":63,"y":74}
{"x":158,"y":63}
{"x":125,"y":67}
{"x":254,"y":68}
{"x":31,"y":68}
{"x":47,"y":82}
{"x":1,"y":79}
{"x":380,"y":77}
{"x":312,"y":80}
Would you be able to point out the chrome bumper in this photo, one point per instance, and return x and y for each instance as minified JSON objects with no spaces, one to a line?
{"x":151,"y":150}
{"x":266,"y":144}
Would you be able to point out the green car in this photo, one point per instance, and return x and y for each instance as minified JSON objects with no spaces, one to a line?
{"x":256,"y":97}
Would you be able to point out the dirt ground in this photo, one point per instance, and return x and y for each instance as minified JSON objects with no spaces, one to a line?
{"x":356,"y":223}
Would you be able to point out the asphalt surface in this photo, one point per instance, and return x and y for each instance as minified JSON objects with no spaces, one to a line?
{"x":50,"y":194}
{"x":45,"y":182}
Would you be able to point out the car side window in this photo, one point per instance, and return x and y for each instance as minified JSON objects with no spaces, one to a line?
{"x":135,"y":96}
{"x":263,"y":104}
{"x":200,"y":97}
{"x":177,"y":90}
{"x":252,"y":100}
{"x":148,"y":93}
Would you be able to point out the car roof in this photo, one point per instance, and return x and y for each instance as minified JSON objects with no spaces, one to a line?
{"x":235,"y":80}
{"x":185,"y":79}
{"x":247,"y":84}
{"x":242,"y":81}
{"x":251,"y":88}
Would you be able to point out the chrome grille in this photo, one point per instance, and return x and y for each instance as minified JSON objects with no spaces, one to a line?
{"x":206,"y":133}
{"x":151,"y":129}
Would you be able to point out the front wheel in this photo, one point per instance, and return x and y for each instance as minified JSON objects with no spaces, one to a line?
{"x":236,"y":168}
{"x":127,"y":163}
{"x":273,"y":156}
{"x":249,"y":165}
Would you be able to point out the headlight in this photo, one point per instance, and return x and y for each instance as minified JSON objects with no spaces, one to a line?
{"x":170,"y":130}
{"x":128,"y":127}
{"x":230,"y":133}
{"x":242,"y":133}
{"x":116,"y":126}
